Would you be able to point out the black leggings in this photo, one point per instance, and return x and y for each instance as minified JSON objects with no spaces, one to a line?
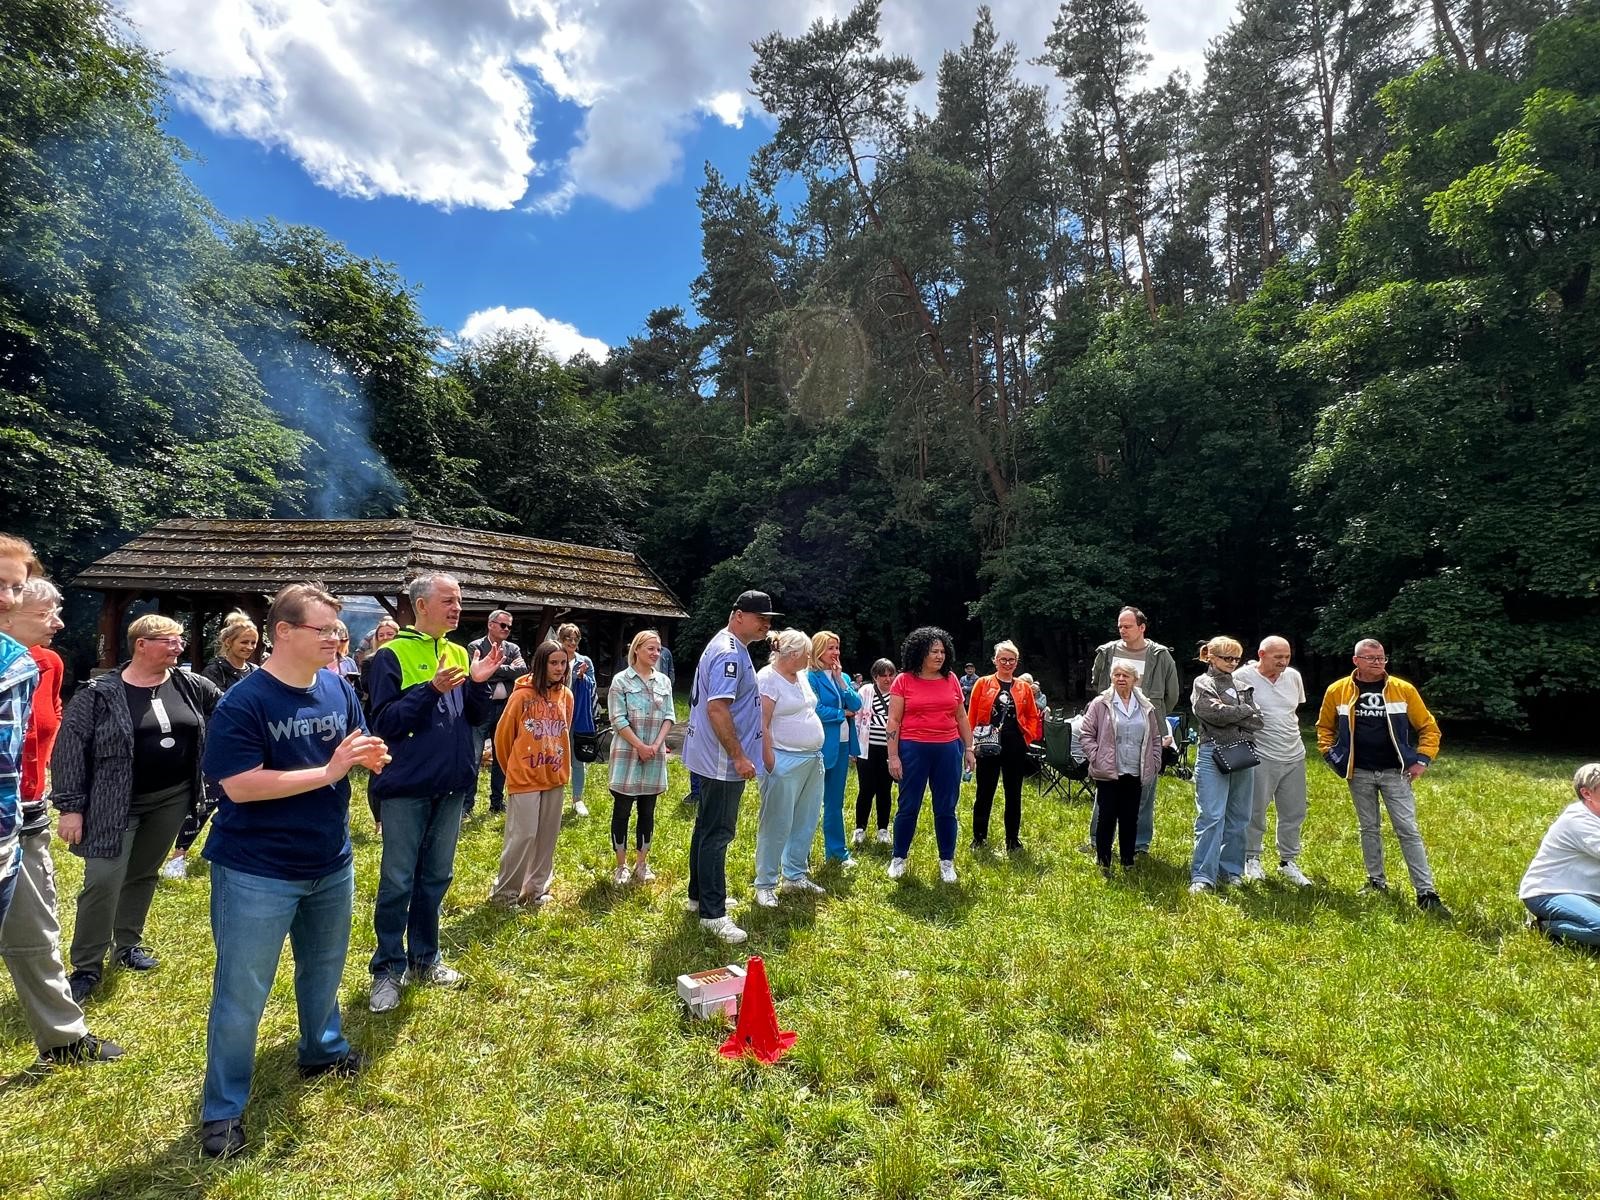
{"x":1013,"y":765}
{"x":621,"y":806}
{"x":1116,"y":811}
{"x":873,"y":784}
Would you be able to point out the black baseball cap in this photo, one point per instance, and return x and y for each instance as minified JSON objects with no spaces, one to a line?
{"x":755,"y":602}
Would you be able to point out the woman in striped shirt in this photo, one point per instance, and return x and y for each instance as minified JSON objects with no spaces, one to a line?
{"x":872,"y":766}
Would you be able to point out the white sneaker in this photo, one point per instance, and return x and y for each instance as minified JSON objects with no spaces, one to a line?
{"x":724,"y":928}
{"x":1254,"y":872}
{"x":766,"y":898}
{"x":691,"y":906}
{"x":1291,"y":871}
{"x":802,"y":884}
{"x":947,"y":870}
{"x":897,"y":868}
{"x":1200,"y":888}
{"x":436,"y":974}
{"x":176,"y":867}
{"x":858,"y":837}
{"x":848,"y":863}
{"x":580,"y":808}
{"x":385,"y":994}
{"x":621,"y":876}
{"x":885,"y":838}
{"x":643,"y":873}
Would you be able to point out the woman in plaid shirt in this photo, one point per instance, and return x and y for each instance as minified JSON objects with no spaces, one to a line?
{"x":640,"y":703}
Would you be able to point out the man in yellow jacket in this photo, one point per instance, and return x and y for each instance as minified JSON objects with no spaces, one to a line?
{"x":1375,"y":731}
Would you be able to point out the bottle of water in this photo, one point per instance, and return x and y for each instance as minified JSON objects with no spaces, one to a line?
{"x":966,"y":773}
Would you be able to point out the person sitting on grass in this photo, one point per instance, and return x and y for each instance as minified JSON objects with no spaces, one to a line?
{"x":532,"y":742}
{"x":1561,"y":887}
{"x":281,"y":744}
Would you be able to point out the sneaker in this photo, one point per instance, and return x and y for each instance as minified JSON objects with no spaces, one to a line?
{"x":847,"y":863}
{"x":176,"y":867}
{"x":82,"y":985}
{"x":1142,"y":852}
{"x":621,"y":876}
{"x":1087,"y":848}
{"x":947,"y":870}
{"x":137,"y":958}
{"x":766,"y":898}
{"x":222,"y":1139}
{"x":1429,"y":902}
{"x":1254,"y":872}
{"x":1290,"y":870}
{"x":724,"y":928}
{"x":348,"y":1065}
{"x":88,"y":1048}
{"x":978,"y":844}
{"x":1373,"y":887}
{"x":643,"y":873}
{"x":884,"y":838}
{"x":1230,"y":881}
{"x":1537,"y":925}
{"x":897,"y":868}
{"x":1201,"y":888}
{"x":691,"y":905}
{"x":385,"y":994}
{"x":1011,"y":848}
{"x":858,"y":837}
{"x":802,"y":884}
{"x":1105,"y":869}
{"x":439,"y":975}
{"x":580,"y":808}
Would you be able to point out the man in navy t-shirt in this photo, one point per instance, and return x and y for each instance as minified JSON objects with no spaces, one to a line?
{"x":281,"y":743}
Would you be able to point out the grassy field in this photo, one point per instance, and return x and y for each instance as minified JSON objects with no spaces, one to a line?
{"x":1033,"y":1031}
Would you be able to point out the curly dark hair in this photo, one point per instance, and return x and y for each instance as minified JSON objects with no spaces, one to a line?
{"x":914,"y":650}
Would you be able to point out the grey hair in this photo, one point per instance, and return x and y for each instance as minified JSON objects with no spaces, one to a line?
{"x":1586,"y":776}
{"x":788,"y":641}
{"x":39,"y":590}
{"x":421,"y":588}
{"x":1367,"y":643}
{"x":500,"y":612}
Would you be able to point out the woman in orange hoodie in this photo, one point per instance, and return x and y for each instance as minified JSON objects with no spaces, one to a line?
{"x":531,"y":743}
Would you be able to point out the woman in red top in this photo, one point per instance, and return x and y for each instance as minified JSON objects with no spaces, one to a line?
{"x":929,"y":740}
{"x":1003,"y":704}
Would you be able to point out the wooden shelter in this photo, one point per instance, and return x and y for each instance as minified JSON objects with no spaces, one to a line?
{"x":209,"y":567}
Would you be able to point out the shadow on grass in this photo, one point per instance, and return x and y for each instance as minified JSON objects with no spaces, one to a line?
{"x":935,"y":904}
{"x":476,"y":926}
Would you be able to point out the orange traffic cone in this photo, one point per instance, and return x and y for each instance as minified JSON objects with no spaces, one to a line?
{"x":757,"y":1032}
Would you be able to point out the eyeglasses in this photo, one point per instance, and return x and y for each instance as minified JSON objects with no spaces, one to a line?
{"x":1224,"y":658}
{"x":1376,"y":660}
{"x":500,"y":624}
{"x":171,"y":640}
{"x":14,"y":589}
{"x":328,"y":633}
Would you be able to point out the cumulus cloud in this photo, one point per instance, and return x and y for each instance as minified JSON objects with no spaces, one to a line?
{"x":434,"y":100}
{"x":562,"y":339}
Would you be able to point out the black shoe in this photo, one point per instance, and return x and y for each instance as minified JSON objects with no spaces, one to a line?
{"x":82,"y":985}
{"x":222,"y":1139}
{"x":1013,"y":847}
{"x":138,"y":958}
{"x":1429,"y":902}
{"x":1105,"y":869}
{"x":1373,"y":887}
{"x":1144,"y":853}
{"x":497,"y":806}
{"x":979,"y":844}
{"x":88,"y":1048}
{"x":352,"y":1063}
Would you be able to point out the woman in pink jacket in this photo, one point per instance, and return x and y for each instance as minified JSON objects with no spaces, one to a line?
{"x":1122,"y":738}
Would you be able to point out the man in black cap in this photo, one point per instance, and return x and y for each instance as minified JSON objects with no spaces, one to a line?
{"x":723,"y":746}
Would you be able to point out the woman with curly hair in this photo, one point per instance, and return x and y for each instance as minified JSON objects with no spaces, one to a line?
{"x":929,"y":742}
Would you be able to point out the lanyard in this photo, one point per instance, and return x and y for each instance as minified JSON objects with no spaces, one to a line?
{"x":158,"y":709}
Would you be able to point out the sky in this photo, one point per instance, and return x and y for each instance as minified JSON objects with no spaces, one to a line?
{"x":523,"y":162}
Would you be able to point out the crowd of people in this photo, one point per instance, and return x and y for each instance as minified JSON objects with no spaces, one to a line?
{"x":143,"y":756}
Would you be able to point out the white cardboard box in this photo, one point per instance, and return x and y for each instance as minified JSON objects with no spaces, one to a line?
{"x":717,"y":990}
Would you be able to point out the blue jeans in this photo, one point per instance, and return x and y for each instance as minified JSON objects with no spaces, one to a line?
{"x":497,"y":778}
{"x":250,"y":917}
{"x":1144,"y":828}
{"x":419,"y":860}
{"x":834,"y":778}
{"x":924,"y":766}
{"x":790,"y":800}
{"x":1222,"y":815}
{"x":1570,"y":915}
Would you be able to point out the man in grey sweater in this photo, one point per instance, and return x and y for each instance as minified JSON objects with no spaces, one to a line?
{"x":1157,"y":672}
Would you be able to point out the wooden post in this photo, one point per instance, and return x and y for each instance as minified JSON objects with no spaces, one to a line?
{"x":113,"y":607}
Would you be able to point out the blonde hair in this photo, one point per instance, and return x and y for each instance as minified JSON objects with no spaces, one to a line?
{"x":819,"y":645}
{"x":563,"y":630}
{"x":1008,"y":644}
{"x":234,"y":626}
{"x":153,"y":625}
{"x":639,"y":639}
{"x":788,"y":641}
{"x":1221,"y":644}
{"x":12,"y":546}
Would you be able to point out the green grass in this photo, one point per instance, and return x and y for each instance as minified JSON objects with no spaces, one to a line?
{"x":1034,"y":1031}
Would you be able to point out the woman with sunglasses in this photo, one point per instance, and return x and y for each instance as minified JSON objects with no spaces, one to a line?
{"x":1226,"y":714}
{"x":126,"y":773}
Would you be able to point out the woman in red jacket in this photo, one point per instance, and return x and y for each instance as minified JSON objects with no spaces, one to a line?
{"x":1005,"y":720}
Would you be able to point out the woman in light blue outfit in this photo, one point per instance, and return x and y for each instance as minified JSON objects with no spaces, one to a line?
{"x":580,"y":678}
{"x":791,"y":760}
{"x":1224,"y":713}
{"x":837,"y":703}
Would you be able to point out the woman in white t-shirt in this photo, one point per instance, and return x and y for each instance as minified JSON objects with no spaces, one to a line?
{"x":1562,"y":885}
{"x":791,"y":782}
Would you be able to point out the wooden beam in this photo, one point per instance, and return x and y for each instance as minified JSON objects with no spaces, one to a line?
{"x":113,"y":607}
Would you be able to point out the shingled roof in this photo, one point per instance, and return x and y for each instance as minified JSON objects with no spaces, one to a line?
{"x":375,"y":558}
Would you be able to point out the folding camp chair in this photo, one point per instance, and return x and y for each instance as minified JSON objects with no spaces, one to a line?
{"x":1064,"y":767}
{"x":1179,"y":758}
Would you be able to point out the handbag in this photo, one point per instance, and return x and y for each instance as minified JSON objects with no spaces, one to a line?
{"x":585,"y":747}
{"x":1235,"y":756}
{"x":985,"y":741}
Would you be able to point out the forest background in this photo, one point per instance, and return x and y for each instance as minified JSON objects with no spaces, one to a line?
{"x":1306,"y":346}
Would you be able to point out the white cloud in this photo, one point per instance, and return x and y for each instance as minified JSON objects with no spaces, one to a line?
{"x":562,"y":339}
{"x":432,"y":99}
